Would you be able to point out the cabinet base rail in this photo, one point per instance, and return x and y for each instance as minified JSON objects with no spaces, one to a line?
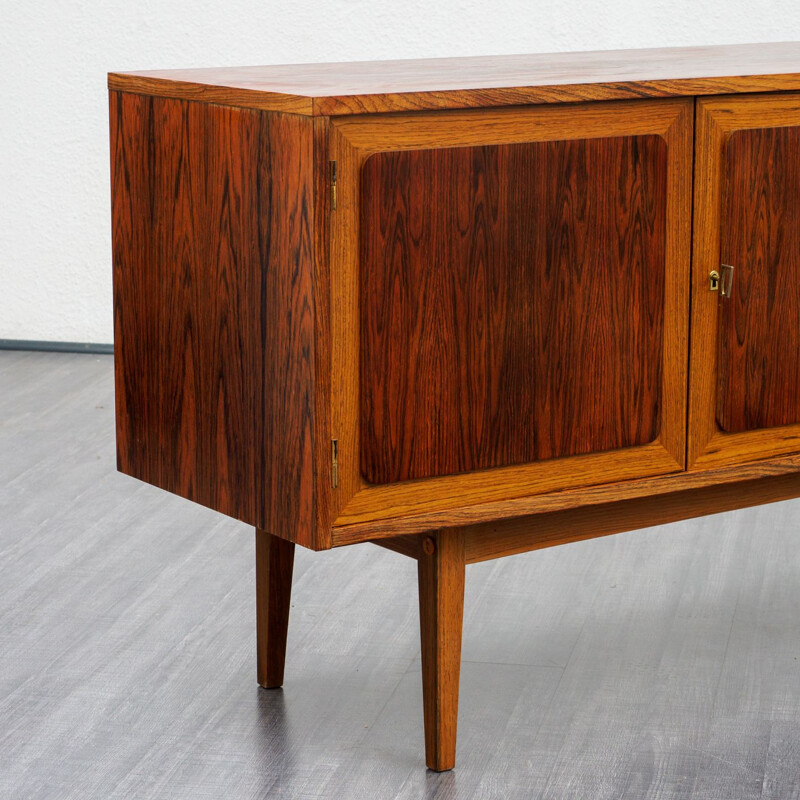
{"x":442,"y":557}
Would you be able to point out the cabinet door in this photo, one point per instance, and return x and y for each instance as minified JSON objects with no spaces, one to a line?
{"x":509,"y":302}
{"x":745,"y":383}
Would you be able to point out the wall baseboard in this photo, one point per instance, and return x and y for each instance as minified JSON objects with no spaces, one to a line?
{"x":56,"y":347}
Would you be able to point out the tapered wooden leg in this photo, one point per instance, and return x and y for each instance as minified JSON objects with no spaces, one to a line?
{"x":274,"y":562}
{"x":441,"y":569}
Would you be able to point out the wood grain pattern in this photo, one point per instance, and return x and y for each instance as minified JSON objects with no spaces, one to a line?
{"x":759,"y":323}
{"x":483,"y":81}
{"x":221,"y":258}
{"x":509,"y":537}
{"x":505,"y":537}
{"x":584,"y":497}
{"x":512,"y":303}
{"x":274,"y":565}
{"x":405,"y":545}
{"x":321,"y":289}
{"x":212,"y":232}
{"x":441,"y":572}
{"x":710,"y":447}
{"x":353,"y":140}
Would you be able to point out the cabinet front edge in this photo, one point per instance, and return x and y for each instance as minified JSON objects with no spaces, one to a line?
{"x":563,"y":500}
{"x":428,"y":100}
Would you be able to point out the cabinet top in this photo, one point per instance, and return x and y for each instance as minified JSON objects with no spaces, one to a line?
{"x":378,"y":86}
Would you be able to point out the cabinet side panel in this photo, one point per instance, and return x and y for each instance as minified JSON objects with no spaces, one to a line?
{"x":759,"y":319}
{"x":513,"y":303}
{"x":213,"y":310}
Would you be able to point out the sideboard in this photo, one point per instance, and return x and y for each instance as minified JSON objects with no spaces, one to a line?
{"x":461,"y":308}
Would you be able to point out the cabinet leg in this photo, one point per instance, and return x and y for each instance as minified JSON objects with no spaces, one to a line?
{"x":441,"y":569}
{"x":274,"y":562}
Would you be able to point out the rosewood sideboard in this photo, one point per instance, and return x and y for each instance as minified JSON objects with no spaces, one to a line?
{"x":460,"y":308}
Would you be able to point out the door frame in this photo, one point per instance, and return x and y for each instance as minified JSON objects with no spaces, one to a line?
{"x":352,"y":140}
{"x":716,"y":118}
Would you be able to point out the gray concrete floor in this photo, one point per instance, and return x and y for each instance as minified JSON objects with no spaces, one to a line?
{"x":655,"y":664}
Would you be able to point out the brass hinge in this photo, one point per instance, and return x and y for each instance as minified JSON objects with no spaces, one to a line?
{"x":333,"y":185}
{"x":334,"y":463}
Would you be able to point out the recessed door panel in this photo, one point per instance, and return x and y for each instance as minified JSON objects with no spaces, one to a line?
{"x":759,"y":308}
{"x":512,"y":303}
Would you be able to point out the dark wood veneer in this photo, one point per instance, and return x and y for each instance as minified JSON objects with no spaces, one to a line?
{"x":487,"y":311}
{"x":759,"y":323}
{"x":274,"y":566}
{"x":498,"y":284}
{"x":212,"y":219}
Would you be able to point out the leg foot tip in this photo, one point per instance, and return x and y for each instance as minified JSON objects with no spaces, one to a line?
{"x":441,"y":767}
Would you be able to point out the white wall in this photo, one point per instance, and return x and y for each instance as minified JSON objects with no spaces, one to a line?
{"x":55,"y":263}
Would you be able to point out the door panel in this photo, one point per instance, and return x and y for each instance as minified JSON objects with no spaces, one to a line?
{"x":509,"y":293}
{"x":744,"y":399}
{"x":759,"y":318}
{"x":512,"y":303}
